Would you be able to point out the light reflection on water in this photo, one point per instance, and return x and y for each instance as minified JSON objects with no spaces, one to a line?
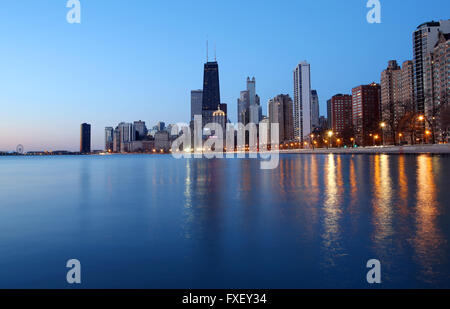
{"x":165,"y":223}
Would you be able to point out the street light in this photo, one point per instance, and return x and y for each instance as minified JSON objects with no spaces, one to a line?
{"x":383,"y":125}
{"x":330,"y":135}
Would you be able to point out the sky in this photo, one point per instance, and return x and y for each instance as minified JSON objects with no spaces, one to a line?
{"x":139,"y":59}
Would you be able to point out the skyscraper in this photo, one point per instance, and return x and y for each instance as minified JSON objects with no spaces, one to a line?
{"x":243,"y":107}
{"x":196,"y":103}
{"x":391,"y":95}
{"x":85,"y":138}
{"x":424,"y":40}
{"x":280,"y":111}
{"x":249,"y":108}
{"x":314,"y":109}
{"x":109,"y":139}
{"x":329,"y":115}
{"x":366,"y":112}
{"x":211,"y":91}
{"x":302,"y":101}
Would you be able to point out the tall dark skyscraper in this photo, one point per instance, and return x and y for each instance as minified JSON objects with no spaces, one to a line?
{"x":85,"y":138}
{"x":211,"y":91}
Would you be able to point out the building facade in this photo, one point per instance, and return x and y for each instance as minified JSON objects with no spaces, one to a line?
{"x":315,"y":110}
{"x":329,"y":115}
{"x":437,"y":83}
{"x":109,"y":139}
{"x":341,"y":113}
{"x":196,"y":103}
{"x":140,"y":129}
{"x":391,"y":101}
{"x":280,"y":110}
{"x":302,"y":102}
{"x":249,"y":108}
{"x":85,"y":138}
{"x":425,"y":38}
{"x":366,"y":113}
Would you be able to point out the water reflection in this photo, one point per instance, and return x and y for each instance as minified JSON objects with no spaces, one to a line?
{"x":428,"y":239}
{"x":332,"y":209}
{"x":382,"y":205}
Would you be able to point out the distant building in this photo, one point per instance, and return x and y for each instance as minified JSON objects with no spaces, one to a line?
{"x":314,"y":109}
{"x":280,"y":111}
{"x":140,"y":129}
{"x":425,"y":38}
{"x":224,"y":108}
{"x":109,"y":139}
{"x":302,"y":102}
{"x":220,"y":118}
{"x":323,"y":123}
{"x":366,"y":112}
{"x":160,"y":126}
{"x":85,"y":138}
{"x":407,"y":86}
{"x":397,"y":97}
{"x":162,"y":141}
{"x":211,"y":91}
{"x":196,"y":103}
{"x":249,"y":107}
{"x":391,"y":81}
{"x":341,"y":112}
{"x":117,"y":140}
{"x":243,"y":107}
{"x":329,"y":115}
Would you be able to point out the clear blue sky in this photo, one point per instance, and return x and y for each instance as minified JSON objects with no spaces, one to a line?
{"x":139,"y":59}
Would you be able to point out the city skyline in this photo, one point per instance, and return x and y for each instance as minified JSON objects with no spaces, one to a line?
{"x":63,"y":89}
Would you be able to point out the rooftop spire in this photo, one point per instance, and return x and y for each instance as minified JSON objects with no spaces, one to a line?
{"x":207,"y":46}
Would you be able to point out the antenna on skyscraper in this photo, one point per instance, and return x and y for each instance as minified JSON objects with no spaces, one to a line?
{"x":215,"y":55}
{"x":207,"y":46}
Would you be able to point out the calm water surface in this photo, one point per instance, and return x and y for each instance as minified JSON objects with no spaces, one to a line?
{"x":156,"y":222}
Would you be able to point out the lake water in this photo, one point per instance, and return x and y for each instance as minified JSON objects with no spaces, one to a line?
{"x":151,"y":221}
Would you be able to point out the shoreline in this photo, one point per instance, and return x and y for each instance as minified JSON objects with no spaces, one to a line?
{"x":410,"y":149}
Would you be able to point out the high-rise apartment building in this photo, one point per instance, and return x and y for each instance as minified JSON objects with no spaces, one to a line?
{"x":391,"y":97}
{"x":366,"y":112}
{"x":437,"y":82}
{"x":302,"y":101}
{"x":280,"y":111}
{"x":329,"y":115}
{"x":109,"y":139}
{"x":425,"y":38}
{"x":85,"y":138}
{"x":407,"y":85}
{"x":341,"y":113}
{"x":314,"y":109}
{"x":196,"y":103}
